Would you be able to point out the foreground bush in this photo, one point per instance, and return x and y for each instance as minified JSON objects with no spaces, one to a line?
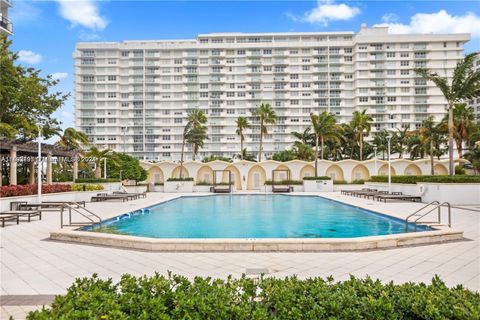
{"x":30,"y":189}
{"x":175,"y":297}
{"x":438,"y":179}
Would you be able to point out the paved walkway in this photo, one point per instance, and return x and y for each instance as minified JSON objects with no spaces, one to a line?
{"x":32,"y":265}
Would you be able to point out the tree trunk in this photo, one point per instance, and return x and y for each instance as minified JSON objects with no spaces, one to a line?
{"x":316,"y":155}
{"x":460,"y":149}
{"x":194,"y":147}
{"x":98,"y":174}
{"x":321,"y":146}
{"x":241,"y":146}
{"x":451,"y":164}
{"x":400,"y":153}
{"x":261,"y":143}
{"x":432,"y":171}
{"x":181,"y":157}
{"x":361,"y":146}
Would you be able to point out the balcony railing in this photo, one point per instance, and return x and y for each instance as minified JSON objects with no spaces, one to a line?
{"x":6,"y":24}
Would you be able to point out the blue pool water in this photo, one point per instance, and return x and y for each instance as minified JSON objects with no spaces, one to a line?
{"x":254,"y":216}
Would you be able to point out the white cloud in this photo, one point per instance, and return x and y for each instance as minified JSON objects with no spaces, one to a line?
{"x":439,"y":22}
{"x":326,"y":11}
{"x":59,"y":75}
{"x":83,"y":12}
{"x":29,"y":57}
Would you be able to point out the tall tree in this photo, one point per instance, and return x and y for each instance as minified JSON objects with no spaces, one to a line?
{"x":73,"y":139}
{"x":266,"y":116}
{"x":324,"y":127}
{"x":185,"y":132}
{"x":196,"y":137}
{"x":463,"y":125}
{"x":399,"y":141}
{"x":26,"y":98}
{"x":242,"y":124}
{"x":305,"y":137}
{"x":465,"y":85}
{"x":380,"y":141}
{"x":361,"y":121}
{"x":98,"y":155}
{"x":196,"y":119}
{"x":304,"y":152}
{"x":431,"y":133}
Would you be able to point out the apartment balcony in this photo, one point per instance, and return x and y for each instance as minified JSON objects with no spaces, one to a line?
{"x":6,"y":25}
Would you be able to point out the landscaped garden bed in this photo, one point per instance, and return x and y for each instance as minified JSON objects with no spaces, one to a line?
{"x":425,"y":178}
{"x":175,"y":297}
{"x":30,"y":189}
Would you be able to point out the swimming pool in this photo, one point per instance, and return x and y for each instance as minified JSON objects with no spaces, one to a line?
{"x":253,"y":216}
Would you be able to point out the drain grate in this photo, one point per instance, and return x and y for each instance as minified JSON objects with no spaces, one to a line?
{"x":256,"y":271}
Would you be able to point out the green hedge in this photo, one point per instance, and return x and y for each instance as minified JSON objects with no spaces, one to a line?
{"x":176,"y":297}
{"x":317,"y":178}
{"x":88,"y":187}
{"x":284,"y":182}
{"x":94,"y":180}
{"x":439,"y":179}
{"x":180,"y":179}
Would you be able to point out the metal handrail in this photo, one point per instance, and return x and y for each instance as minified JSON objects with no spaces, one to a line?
{"x":437,"y":206}
{"x":77,"y":210}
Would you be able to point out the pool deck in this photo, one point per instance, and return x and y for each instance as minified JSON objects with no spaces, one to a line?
{"x":33,"y":267}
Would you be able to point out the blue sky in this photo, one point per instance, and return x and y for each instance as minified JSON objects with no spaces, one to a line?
{"x":45,"y":32}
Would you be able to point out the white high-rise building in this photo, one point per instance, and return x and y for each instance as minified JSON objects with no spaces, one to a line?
{"x":475,"y":102}
{"x":5,"y":24}
{"x":134,"y":96}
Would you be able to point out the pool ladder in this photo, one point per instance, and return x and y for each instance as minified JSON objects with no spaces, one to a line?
{"x":84,"y":212}
{"x":426,"y":210}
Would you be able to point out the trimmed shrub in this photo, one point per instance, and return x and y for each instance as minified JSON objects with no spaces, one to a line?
{"x":317,"y":178}
{"x":358,"y":181}
{"x":29,"y":189}
{"x":180,"y":179}
{"x":438,"y":179}
{"x":340,"y":182}
{"x":284,"y":182}
{"x":176,"y":297}
{"x":94,"y":180}
{"x":459,"y":170}
{"x":88,"y":187}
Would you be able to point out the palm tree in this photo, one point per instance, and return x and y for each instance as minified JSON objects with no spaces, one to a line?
{"x":380,"y":141}
{"x":362,"y":123}
{"x":399,"y":140}
{"x":98,"y":155}
{"x":242,"y":124}
{"x":431,"y":134}
{"x":305,"y":137}
{"x":267,"y":116}
{"x":415,"y":146}
{"x":303,"y":151}
{"x":73,"y":139}
{"x":247,"y":156}
{"x":464,"y":125}
{"x":324,"y":126}
{"x":196,"y":137}
{"x":186,"y":130}
{"x":465,"y":85}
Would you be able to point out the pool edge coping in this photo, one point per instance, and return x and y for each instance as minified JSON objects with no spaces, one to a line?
{"x":437,"y":235}
{"x":257,"y":244}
